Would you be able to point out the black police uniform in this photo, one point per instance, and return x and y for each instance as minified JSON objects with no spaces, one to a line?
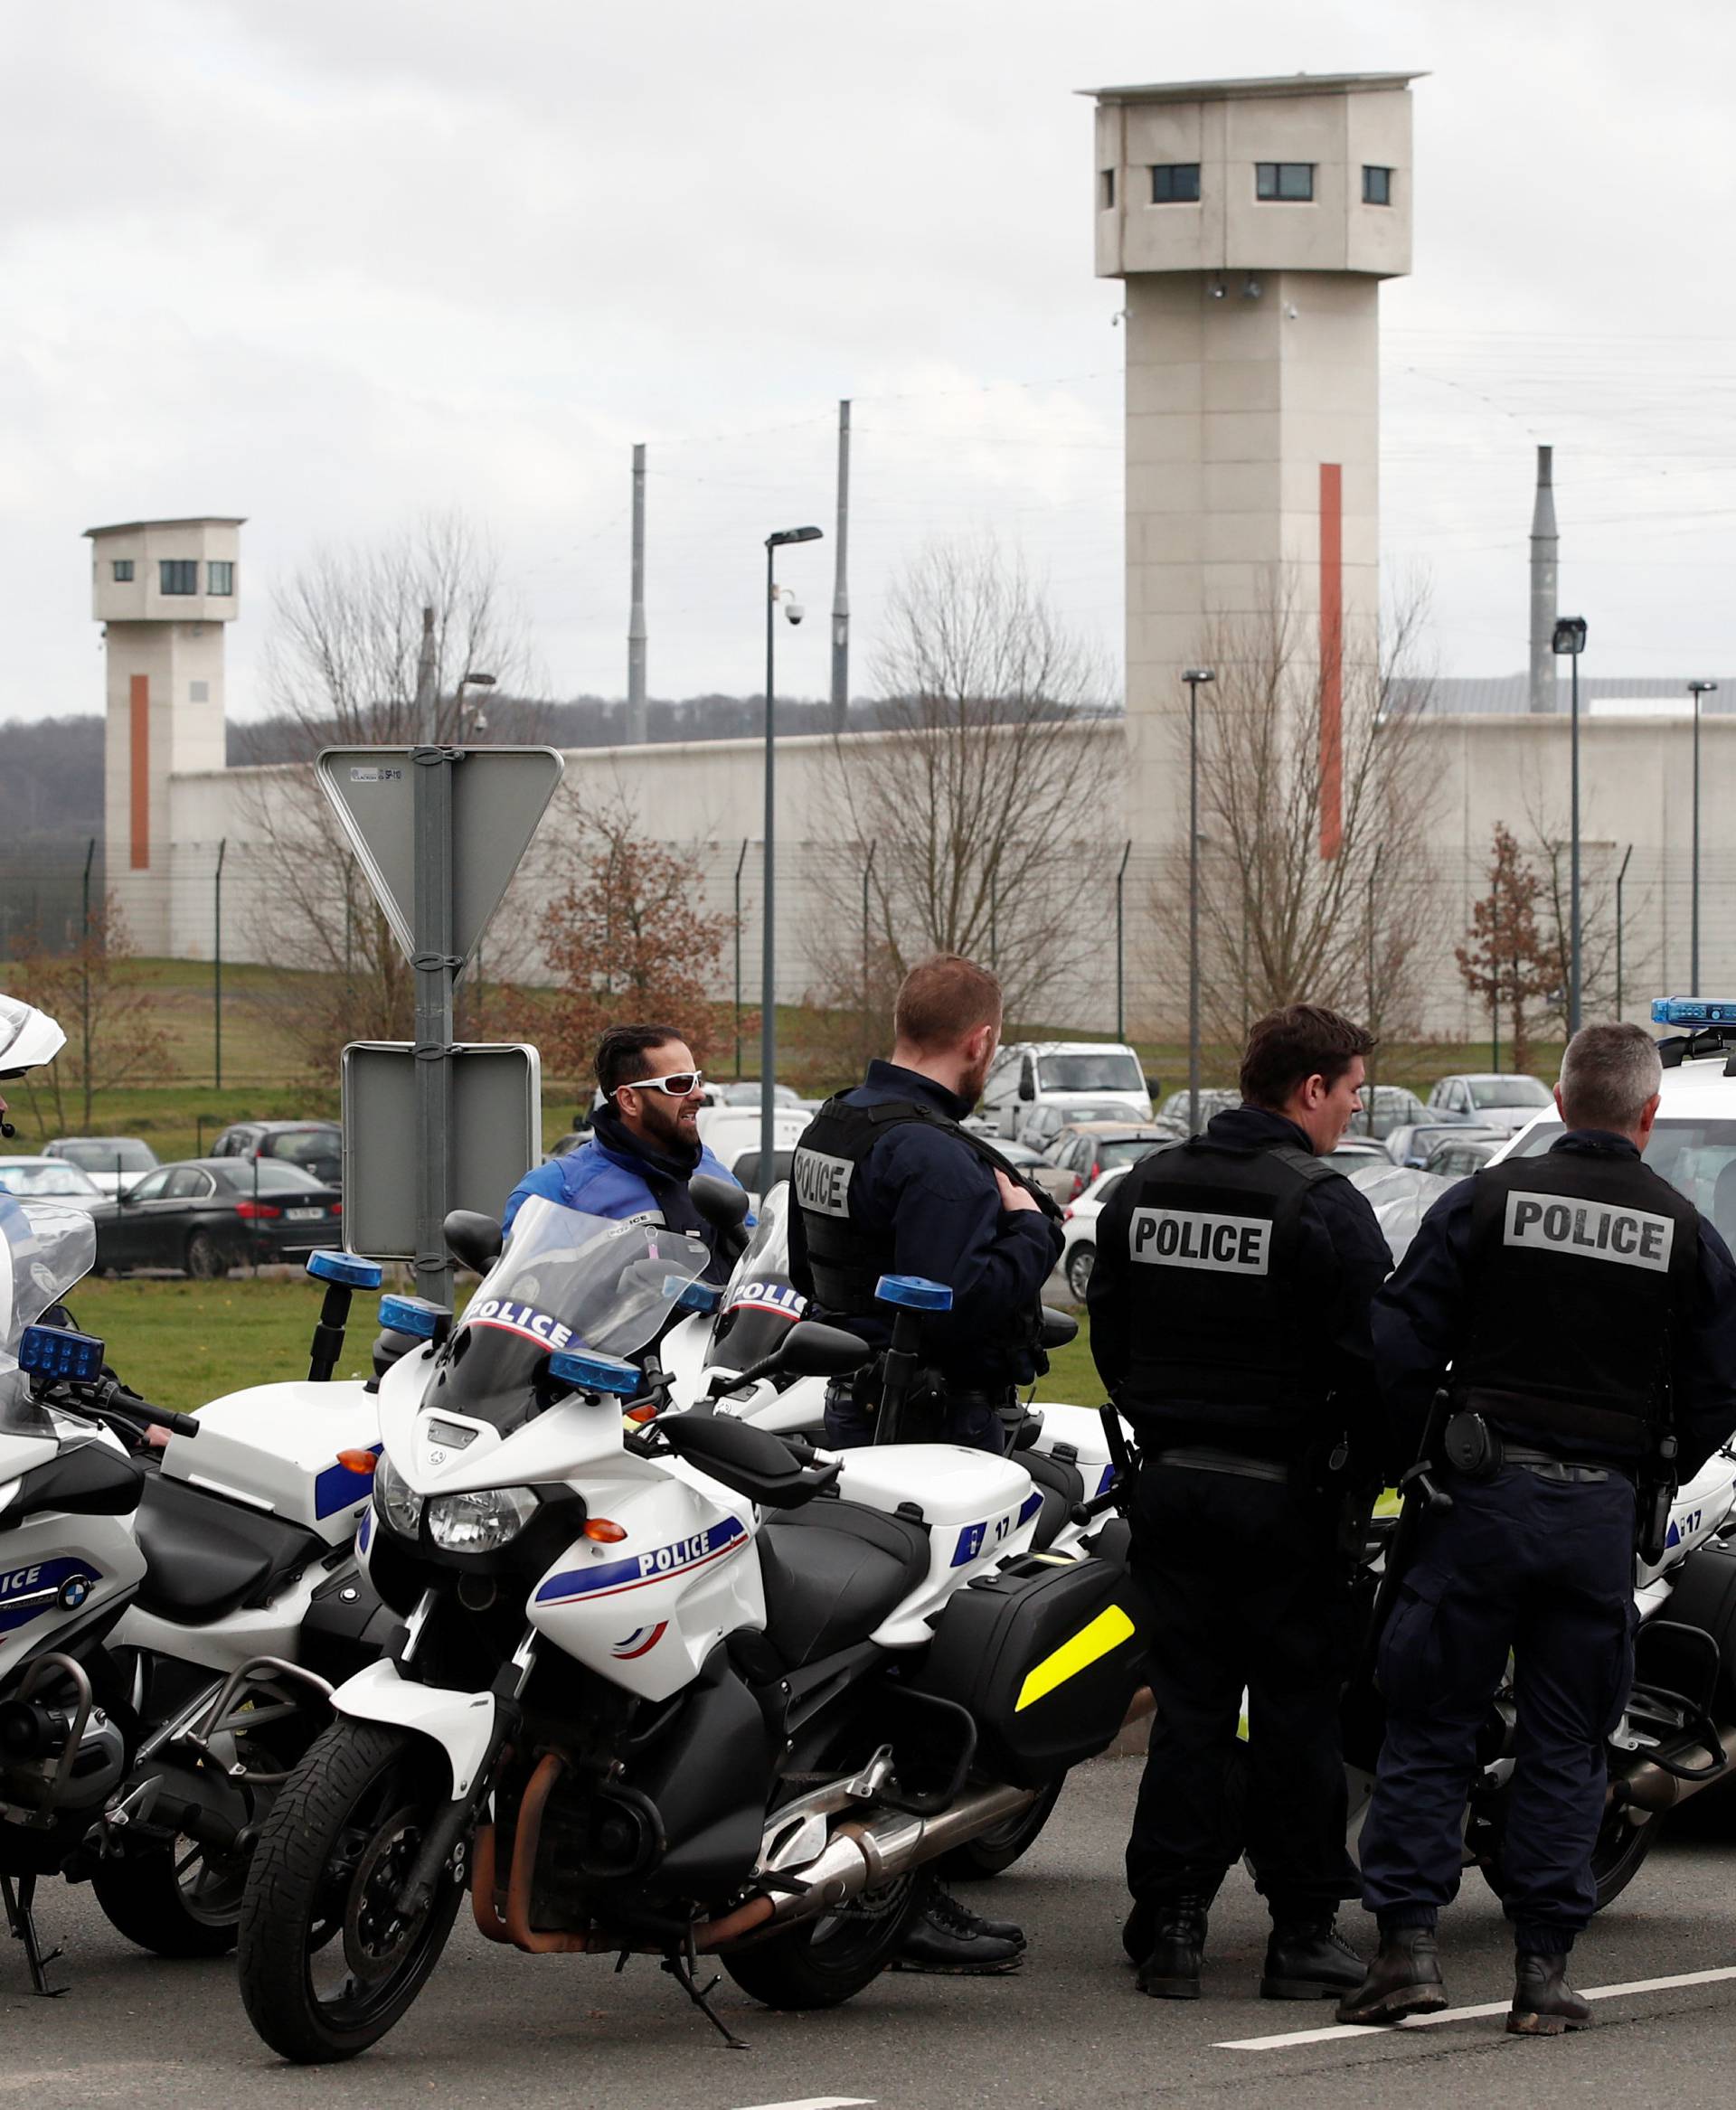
{"x":1573,"y":1295}
{"x":885,"y":1182}
{"x":1228,"y":1311}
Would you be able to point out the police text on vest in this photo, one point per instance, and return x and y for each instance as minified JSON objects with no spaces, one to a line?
{"x":1189,"y":1237}
{"x":1595,"y":1230}
{"x":823,"y":1183}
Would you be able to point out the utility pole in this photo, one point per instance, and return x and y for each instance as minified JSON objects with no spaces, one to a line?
{"x":1620,"y":878}
{"x":739,"y":863}
{"x":1699,"y":690}
{"x":217,"y":968}
{"x":1194,"y":676}
{"x":84,"y":982}
{"x":1120,"y":929}
{"x":637,"y":725}
{"x":840,"y":587}
{"x":428,"y":688}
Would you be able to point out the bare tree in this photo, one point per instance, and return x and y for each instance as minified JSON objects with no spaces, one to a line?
{"x":973,"y":793}
{"x":342,"y":664}
{"x":1311,"y":888}
{"x":109,"y":1014}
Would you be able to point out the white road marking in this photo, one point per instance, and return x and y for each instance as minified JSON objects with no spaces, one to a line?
{"x":814,"y":2103}
{"x":1496,"y":2007}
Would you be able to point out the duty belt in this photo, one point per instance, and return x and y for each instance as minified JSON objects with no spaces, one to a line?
{"x":1197,"y":1458}
{"x":1547,"y":1466}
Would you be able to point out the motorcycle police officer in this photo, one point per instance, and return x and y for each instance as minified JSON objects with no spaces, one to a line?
{"x":885,"y":1180}
{"x":1579,"y":1310}
{"x":1229,"y":1313}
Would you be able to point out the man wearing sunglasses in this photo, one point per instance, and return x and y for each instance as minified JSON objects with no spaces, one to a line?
{"x":643,"y":1145}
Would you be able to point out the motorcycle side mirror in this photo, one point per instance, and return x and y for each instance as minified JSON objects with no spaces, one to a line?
{"x":721,"y":1202}
{"x":813,"y":1350}
{"x":1058,"y":1328}
{"x":473,"y":1239}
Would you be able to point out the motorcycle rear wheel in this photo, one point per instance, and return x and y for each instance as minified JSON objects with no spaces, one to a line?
{"x":175,"y":1900}
{"x":326,"y":1965}
{"x":992,"y":1852}
{"x":1616,"y":1860}
{"x":823,"y":1963}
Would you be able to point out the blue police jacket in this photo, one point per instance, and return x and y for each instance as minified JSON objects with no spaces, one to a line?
{"x":1423,"y":1313}
{"x":616,"y":1175}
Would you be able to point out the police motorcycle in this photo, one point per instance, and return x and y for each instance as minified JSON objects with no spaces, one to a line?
{"x":168,"y":1635}
{"x":665,"y":1683}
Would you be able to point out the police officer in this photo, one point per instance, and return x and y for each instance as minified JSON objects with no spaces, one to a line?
{"x":886,"y":1180}
{"x":1574,"y":1303}
{"x":1229,"y":1313}
{"x":643,"y":1145}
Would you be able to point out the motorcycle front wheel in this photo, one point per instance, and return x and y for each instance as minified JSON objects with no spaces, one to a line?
{"x":327,"y":1963}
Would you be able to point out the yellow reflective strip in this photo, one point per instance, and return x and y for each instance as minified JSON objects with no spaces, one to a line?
{"x":1108,"y":1630}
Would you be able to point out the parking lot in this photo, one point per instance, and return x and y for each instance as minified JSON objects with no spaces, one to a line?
{"x":1068,"y":2030}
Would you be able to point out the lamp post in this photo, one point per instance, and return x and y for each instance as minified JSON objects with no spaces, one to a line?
{"x":1194,"y":676}
{"x":768,"y":948}
{"x":1696,"y":690}
{"x":1569,"y":641}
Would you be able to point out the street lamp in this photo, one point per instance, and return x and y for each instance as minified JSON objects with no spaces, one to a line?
{"x":768,"y":956}
{"x":1696,"y":690}
{"x":468,"y":682}
{"x":1569,"y":640}
{"x":1194,"y":676}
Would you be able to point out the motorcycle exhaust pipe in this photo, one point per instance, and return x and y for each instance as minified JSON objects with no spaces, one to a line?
{"x":1653,"y":1788}
{"x":862,"y":1855}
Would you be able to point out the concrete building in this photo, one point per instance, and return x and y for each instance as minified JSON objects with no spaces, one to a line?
{"x":1252,"y":222}
{"x":163,"y":590}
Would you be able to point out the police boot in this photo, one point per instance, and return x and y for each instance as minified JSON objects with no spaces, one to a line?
{"x":1544,"y":2002}
{"x":947,"y":1939}
{"x":1404,"y":1979}
{"x":1170,"y":1969}
{"x":1309,"y":1959}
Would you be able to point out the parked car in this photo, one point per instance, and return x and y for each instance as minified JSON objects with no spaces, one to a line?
{"x":1082,"y":1153}
{"x":204,"y":1216}
{"x":48,"y":1178}
{"x":1358,"y":1150}
{"x":1043,"y":1125}
{"x":317,"y":1146}
{"x":1498,"y":1100}
{"x":1389,"y":1107}
{"x":1459,"y":1156}
{"x":1070,"y":1074}
{"x":1411,"y":1145}
{"x":113,"y":1162}
{"x":1079,"y":1232}
{"x":1215,"y":1099}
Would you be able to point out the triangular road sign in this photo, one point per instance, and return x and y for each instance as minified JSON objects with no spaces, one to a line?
{"x":499,"y":795}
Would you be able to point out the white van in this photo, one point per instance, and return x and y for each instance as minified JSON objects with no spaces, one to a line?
{"x":1100,"y":1074}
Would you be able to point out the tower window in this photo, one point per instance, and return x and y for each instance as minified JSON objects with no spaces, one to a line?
{"x":123,"y":570}
{"x":1176,"y":183}
{"x":178,"y":575}
{"x":1106,"y":190}
{"x":1287,"y":180}
{"x":220,"y":578}
{"x":1377,"y":186}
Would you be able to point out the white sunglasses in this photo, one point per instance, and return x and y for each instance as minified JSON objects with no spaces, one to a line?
{"x":680,"y":1084}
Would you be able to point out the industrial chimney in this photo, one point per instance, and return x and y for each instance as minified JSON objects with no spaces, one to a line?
{"x":1544,"y":546}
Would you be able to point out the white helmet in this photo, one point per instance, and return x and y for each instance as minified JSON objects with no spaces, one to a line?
{"x":27,"y":1037}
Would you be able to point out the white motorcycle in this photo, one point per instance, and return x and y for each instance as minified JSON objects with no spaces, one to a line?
{"x":694,"y":1691}
{"x":167,"y":1636}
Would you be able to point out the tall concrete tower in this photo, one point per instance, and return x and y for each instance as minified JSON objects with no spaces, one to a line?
{"x":1253,"y":221}
{"x":163,"y":590}
{"x":1546,"y":571}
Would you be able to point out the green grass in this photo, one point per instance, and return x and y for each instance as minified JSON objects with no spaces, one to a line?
{"x":180,"y":1344}
{"x":1073,"y":1375}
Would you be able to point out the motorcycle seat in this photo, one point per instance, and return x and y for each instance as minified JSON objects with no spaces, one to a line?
{"x":205,"y":1558}
{"x":1061,"y":1485}
{"x":833,"y":1571}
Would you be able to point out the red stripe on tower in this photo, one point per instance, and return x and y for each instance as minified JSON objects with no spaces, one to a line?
{"x":139,"y":740}
{"x":1332,"y":658}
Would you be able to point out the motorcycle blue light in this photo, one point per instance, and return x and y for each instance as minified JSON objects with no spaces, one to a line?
{"x":1691,"y":1011}
{"x":56,"y":1352}
{"x":412,"y":1314}
{"x":915,"y":1293}
{"x":699,"y":1296}
{"x":595,"y":1373}
{"x":330,"y":1266}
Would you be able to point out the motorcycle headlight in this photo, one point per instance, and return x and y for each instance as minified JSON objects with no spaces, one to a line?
{"x":401,"y":1509}
{"x":481,"y":1521}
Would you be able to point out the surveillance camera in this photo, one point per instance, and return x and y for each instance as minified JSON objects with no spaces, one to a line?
{"x":793,"y":610}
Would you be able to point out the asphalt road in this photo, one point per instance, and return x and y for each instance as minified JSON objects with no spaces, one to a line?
{"x":1068,"y":2030}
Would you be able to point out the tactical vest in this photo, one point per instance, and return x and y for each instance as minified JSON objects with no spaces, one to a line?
{"x":1221,"y":1313}
{"x":1579,"y":1266}
{"x":845,"y":1256}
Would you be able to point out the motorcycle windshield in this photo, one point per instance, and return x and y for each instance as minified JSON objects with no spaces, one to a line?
{"x":759,"y":1305}
{"x":565,"y":1281}
{"x":45,"y":1247}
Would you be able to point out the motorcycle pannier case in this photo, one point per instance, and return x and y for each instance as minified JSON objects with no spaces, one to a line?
{"x":1046,"y":1655}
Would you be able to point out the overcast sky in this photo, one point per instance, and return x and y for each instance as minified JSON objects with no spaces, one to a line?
{"x":332,"y":264}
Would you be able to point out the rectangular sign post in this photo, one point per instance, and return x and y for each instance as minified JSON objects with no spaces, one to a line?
{"x":436,"y":971}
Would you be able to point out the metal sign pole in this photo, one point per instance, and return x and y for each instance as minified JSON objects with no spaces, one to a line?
{"x":435,"y":967}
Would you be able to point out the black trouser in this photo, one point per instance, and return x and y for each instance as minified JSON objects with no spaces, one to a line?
{"x":1252,"y":1594}
{"x":1542,"y":1567}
